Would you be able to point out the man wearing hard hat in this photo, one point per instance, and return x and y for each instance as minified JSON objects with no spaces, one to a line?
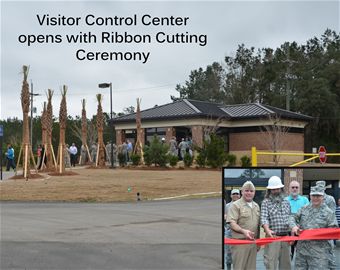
{"x":275,"y":212}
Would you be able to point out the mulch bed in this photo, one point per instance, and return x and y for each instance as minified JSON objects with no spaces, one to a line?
{"x":67,"y":173}
{"x":31,"y":177}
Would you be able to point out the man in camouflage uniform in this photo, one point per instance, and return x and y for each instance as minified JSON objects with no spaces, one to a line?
{"x":313,"y":254}
{"x":108,"y":152}
{"x":330,"y":202}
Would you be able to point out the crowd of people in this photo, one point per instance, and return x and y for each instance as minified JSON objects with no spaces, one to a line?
{"x":280,"y":215}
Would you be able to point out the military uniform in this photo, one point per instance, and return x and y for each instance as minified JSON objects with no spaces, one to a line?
{"x":247,"y":217}
{"x":313,"y":254}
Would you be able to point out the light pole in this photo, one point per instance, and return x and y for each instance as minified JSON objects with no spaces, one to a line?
{"x":107,"y":85}
{"x":32,"y":95}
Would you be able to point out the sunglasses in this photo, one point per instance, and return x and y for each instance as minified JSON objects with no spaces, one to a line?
{"x":235,"y":194}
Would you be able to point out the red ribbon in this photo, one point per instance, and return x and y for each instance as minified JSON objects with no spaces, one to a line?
{"x":311,"y":234}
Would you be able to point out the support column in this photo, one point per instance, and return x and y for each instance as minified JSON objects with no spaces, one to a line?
{"x":169,"y":133}
{"x":120,"y":136}
{"x":197,"y":135}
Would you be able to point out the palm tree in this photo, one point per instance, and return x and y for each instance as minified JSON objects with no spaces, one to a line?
{"x":25,"y":104}
{"x":100,"y":127}
{"x":84,"y":131}
{"x":49,"y":126}
{"x":62,"y":125}
{"x":43,"y":125}
{"x":138,"y":147}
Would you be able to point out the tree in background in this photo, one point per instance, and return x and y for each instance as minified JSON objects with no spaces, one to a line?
{"x":308,"y":74}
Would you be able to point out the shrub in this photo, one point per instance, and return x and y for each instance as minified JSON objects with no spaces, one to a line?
{"x":201,"y":158}
{"x":173,"y":160}
{"x":156,"y":153}
{"x":216,"y":157}
{"x":188,"y":159}
{"x":245,"y":161}
{"x":231,"y":159}
{"x":135,"y":159}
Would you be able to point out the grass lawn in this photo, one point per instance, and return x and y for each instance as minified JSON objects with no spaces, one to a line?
{"x":107,"y":185}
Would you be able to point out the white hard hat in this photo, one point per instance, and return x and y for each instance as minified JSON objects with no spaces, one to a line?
{"x":274,"y":182}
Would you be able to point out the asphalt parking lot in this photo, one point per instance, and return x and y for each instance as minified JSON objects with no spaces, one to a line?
{"x":183,"y":234}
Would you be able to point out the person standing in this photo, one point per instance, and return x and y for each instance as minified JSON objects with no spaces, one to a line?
{"x":183,"y":147}
{"x":94,"y":152}
{"x":10,"y":158}
{"x":108,"y":152}
{"x":275,"y":212}
{"x":296,"y":201}
{"x":73,"y":154}
{"x":313,"y":254}
{"x":244,"y":219}
{"x":330,"y":202}
{"x":39,"y":155}
{"x":129,"y":150}
{"x":173,"y":146}
{"x":337,"y":212}
{"x":235,"y":195}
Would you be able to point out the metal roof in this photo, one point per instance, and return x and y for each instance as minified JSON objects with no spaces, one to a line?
{"x":187,"y":108}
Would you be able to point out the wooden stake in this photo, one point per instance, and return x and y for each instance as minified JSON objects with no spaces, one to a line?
{"x":25,"y":162}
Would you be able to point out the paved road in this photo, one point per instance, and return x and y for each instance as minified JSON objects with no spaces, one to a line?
{"x":182,"y":234}
{"x":148,"y":235}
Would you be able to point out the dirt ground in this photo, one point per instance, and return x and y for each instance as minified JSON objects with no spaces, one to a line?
{"x":107,"y":185}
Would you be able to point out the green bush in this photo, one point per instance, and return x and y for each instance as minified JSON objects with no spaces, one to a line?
{"x":156,"y":153}
{"x":201,"y":158}
{"x":135,"y":159}
{"x":188,"y":159}
{"x":245,"y":161}
{"x":121,"y":159}
{"x":216,"y":157}
{"x":173,"y":160}
{"x":231,"y":159}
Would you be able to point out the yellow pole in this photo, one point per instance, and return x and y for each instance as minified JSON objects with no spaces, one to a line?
{"x":303,"y":161}
{"x":253,"y":157}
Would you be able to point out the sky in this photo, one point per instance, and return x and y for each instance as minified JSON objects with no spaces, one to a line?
{"x":225,"y":23}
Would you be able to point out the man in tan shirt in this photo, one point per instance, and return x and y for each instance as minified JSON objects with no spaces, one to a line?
{"x":244,"y":219}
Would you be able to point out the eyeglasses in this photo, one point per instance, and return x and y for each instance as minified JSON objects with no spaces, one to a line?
{"x":295,"y":187}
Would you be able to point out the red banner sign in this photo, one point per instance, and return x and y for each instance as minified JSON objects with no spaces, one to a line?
{"x":312,"y":234}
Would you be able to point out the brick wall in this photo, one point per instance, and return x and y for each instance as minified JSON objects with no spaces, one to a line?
{"x":169,"y":133}
{"x":197,"y":135}
{"x":244,"y":141}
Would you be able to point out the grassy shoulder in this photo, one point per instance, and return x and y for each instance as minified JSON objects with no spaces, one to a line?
{"x":107,"y":185}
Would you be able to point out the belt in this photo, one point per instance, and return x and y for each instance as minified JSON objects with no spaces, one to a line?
{"x":282,"y":234}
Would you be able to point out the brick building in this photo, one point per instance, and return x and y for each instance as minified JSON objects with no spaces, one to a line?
{"x":241,"y":126}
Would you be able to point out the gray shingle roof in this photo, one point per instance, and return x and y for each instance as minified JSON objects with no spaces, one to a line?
{"x":187,"y":108}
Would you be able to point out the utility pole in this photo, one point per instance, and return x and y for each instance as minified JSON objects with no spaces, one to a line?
{"x":289,"y":76}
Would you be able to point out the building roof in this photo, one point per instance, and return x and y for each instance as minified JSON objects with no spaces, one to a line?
{"x":187,"y":108}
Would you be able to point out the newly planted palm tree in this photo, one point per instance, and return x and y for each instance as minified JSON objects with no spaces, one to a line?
{"x":139,"y":147}
{"x":49,"y":126}
{"x":84,"y":133}
{"x":100,"y":127}
{"x":62,"y":125}
{"x":25,"y":104}
{"x":43,"y":125}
